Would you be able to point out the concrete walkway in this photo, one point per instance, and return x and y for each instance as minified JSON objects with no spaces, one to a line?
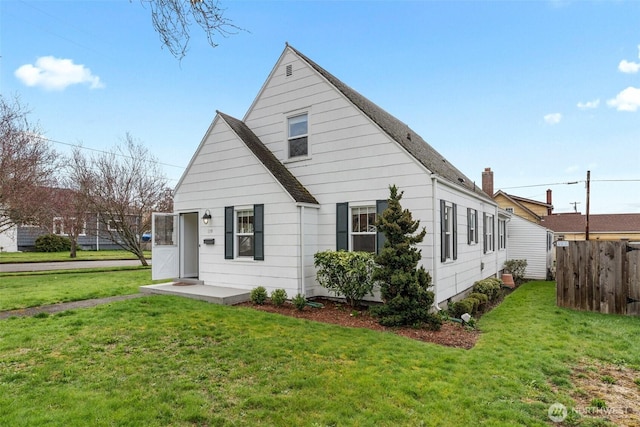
{"x":64,"y":306}
{"x":67,"y":265}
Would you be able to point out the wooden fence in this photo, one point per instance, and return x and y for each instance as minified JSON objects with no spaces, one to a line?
{"x":595,"y":275}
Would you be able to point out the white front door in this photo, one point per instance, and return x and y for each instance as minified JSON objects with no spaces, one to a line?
{"x":165,"y":251}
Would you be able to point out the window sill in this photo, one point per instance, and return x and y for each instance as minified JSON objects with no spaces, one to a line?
{"x":297,"y":159}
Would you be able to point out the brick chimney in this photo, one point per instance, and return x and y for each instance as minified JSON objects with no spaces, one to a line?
{"x":550,"y":208}
{"x":487,"y":181}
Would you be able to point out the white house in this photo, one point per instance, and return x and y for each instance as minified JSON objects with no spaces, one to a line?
{"x":531,"y":242}
{"x":9,"y":240}
{"x":307,"y":169}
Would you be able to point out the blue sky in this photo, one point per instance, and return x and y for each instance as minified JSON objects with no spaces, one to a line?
{"x":540,"y":91}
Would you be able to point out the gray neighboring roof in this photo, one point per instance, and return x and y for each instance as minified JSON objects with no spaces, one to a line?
{"x":401,"y":133}
{"x":278,"y":170}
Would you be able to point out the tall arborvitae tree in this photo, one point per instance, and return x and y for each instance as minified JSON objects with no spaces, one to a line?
{"x":404,"y":286}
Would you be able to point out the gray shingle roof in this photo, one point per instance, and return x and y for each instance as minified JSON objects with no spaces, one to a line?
{"x":278,"y":170}
{"x":401,"y":133}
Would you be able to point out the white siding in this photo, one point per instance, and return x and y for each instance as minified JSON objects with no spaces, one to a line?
{"x":453,"y":277}
{"x":9,"y":240}
{"x":226,"y":173}
{"x":529,"y":241}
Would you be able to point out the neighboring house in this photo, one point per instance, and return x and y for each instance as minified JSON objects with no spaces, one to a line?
{"x":308,"y":169}
{"x":533,"y":243}
{"x":8,"y":240}
{"x":531,"y":210}
{"x":572,"y":226}
{"x":88,"y":239}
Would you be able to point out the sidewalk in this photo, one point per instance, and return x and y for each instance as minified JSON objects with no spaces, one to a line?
{"x":63,"y":306}
{"x":67,"y":265}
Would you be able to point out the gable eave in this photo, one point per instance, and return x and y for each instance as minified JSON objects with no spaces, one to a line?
{"x":280,"y":174}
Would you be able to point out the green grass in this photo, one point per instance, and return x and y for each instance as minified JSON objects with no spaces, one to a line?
{"x":21,"y":290}
{"x":13,"y":257}
{"x":159,"y":361}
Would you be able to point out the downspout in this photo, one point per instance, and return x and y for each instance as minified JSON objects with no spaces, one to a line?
{"x":301,"y":288}
{"x":496,"y":250}
{"x":434,"y":263}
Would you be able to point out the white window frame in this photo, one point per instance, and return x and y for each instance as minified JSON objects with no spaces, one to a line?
{"x":240,"y":233}
{"x":63,"y":228}
{"x":110,"y":228}
{"x":370,"y":208}
{"x":472,"y":232}
{"x":289,"y":138}
{"x":448,"y":231}
{"x":502,"y":234}
{"x":489,"y":232}
{"x":509,"y":209}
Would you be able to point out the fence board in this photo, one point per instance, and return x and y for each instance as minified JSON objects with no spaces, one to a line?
{"x":602,"y":276}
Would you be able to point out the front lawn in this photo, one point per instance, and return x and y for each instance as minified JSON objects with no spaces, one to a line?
{"x":20,"y":290}
{"x":159,"y":360}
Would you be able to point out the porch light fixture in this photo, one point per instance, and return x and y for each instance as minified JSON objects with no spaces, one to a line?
{"x":206,"y":217}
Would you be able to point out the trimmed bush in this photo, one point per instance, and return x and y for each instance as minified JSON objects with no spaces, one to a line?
{"x":461,"y":307}
{"x":278,"y":297}
{"x":517,"y":268}
{"x":491,"y":287}
{"x":259,"y":295}
{"x":482,"y":299}
{"x":52,"y":243}
{"x":347,"y":274}
{"x":299,"y":302}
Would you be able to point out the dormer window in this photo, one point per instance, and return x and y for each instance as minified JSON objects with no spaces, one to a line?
{"x":298,"y":136}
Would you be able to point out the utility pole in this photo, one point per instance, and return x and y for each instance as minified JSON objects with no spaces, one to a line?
{"x":575,"y":206}
{"x":586,"y":230}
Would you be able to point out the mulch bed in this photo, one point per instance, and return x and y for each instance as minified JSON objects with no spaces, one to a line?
{"x":451,"y":334}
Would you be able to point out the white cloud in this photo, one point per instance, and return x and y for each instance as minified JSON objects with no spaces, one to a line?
{"x":589,"y":104}
{"x":56,"y":74}
{"x":628,"y":67}
{"x":553,"y":119}
{"x":627,"y":100}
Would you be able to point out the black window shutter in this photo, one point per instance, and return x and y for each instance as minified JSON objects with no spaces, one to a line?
{"x":493,"y":232}
{"x":484,"y":232}
{"x":475,"y":231}
{"x":258,"y":232}
{"x":443,"y":232}
{"x":342,"y":226}
{"x":469,"y":226}
{"x":228,"y":232}
{"x":381,"y":206}
{"x":454,"y":224}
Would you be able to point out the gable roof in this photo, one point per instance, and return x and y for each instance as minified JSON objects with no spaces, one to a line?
{"x":516,"y":200}
{"x":399,"y":132}
{"x":600,"y":223}
{"x":290,"y":183}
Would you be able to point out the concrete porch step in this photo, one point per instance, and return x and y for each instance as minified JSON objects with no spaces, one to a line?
{"x":212,"y":294}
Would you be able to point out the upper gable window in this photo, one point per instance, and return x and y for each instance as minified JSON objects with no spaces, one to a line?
{"x":298,"y":135}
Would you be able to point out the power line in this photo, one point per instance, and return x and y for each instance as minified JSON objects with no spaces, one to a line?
{"x":102,"y":151}
{"x":571,"y":182}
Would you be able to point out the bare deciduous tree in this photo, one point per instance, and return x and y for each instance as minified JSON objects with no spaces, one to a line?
{"x":27,"y":166}
{"x":123,"y":186}
{"x":172,"y":19}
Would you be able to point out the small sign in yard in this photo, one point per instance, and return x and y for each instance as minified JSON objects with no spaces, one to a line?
{"x":562,"y":243}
